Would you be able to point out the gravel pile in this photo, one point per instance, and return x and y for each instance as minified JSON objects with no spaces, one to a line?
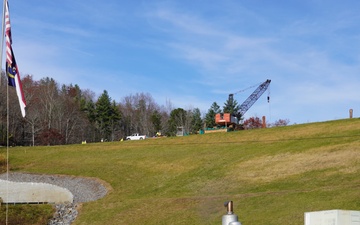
{"x":83,"y":189}
{"x":65,"y":214}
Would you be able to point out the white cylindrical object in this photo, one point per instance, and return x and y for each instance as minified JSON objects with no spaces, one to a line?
{"x":235,"y":223}
{"x":227,"y":219}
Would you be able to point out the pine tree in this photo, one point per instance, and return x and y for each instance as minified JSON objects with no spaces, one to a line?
{"x":156,"y":121}
{"x":177,"y":119}
{"x":115,"y":117}
{"x":104,"y":111}
{"x":231,"y":106}
{"x":210,"y":116}
{"x":196,"y":120}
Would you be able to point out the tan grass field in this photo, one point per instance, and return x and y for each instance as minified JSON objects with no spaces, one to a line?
{"x":271,"y":168}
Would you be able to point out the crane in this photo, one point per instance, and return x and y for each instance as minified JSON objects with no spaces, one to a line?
{"x":227,"y":119}
{"x":246,"y":105}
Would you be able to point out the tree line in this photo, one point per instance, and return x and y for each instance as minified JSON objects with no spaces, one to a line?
{"x":59,"y":114}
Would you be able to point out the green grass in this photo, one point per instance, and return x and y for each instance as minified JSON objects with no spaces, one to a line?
{"x":26,"y":214}
{"x":273,"y":175}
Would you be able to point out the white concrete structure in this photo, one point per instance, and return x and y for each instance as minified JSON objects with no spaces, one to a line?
{"x":26,"y":192}
{"x":333,"y":217}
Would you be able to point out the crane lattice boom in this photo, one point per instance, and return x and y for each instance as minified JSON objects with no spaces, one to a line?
{"x":246,"y":105}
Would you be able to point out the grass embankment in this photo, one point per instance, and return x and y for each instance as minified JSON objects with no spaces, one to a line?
{"x":273,"y":175}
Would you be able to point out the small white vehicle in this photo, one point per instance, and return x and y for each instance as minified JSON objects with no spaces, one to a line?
{"x":136,"y":136}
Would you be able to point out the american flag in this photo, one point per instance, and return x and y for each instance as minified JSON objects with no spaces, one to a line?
{"x":11,"y":66}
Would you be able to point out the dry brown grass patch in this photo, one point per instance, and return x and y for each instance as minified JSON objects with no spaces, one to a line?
{"x":280,"y":166}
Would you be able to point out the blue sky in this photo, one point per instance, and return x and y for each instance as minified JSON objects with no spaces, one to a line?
{"x":194,"y":53}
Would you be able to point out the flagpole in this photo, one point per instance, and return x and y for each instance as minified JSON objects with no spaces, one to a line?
{"x":7,"y":106}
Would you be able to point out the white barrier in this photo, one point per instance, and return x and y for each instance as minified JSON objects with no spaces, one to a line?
{"x":332,"y":217}
{"x":28,"y":192}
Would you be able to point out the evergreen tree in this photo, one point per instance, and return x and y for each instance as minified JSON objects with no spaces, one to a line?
{"x":210,"y":116}
{"x":177,"y":119}
{"x":196,"y":120}
{"x":156,"y":121}
{"x":89,"y":108}
{"x":115,"y":117}
{"x":104,"y":112}
{"x":231,"y":106}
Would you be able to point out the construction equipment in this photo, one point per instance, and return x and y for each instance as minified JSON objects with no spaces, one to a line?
{"x":227,"y":119}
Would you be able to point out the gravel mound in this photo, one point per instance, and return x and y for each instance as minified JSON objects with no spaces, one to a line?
{"x":83,"y":189}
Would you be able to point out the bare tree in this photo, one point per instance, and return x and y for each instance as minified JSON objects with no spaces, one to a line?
{"x":137,"y":111}
{"x":281,"y":122}
{"x":33,"y":114}
{"x":70,"y":116}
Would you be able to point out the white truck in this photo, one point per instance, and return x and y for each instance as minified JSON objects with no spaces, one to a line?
{"x":136,"y":136}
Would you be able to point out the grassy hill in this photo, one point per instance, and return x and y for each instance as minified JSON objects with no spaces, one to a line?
{"x":272,"y":175}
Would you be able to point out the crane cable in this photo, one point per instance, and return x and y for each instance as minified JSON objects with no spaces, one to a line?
{"x":247,"y":88}
{"x":268,"y":99}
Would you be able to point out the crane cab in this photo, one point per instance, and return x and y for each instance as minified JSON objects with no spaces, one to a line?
{"x":225,"y":119}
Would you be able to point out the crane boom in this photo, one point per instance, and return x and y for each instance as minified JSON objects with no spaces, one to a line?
{"x":246,"y":105}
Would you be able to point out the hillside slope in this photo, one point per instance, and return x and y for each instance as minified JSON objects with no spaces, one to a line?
{"x":272,"y":175}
